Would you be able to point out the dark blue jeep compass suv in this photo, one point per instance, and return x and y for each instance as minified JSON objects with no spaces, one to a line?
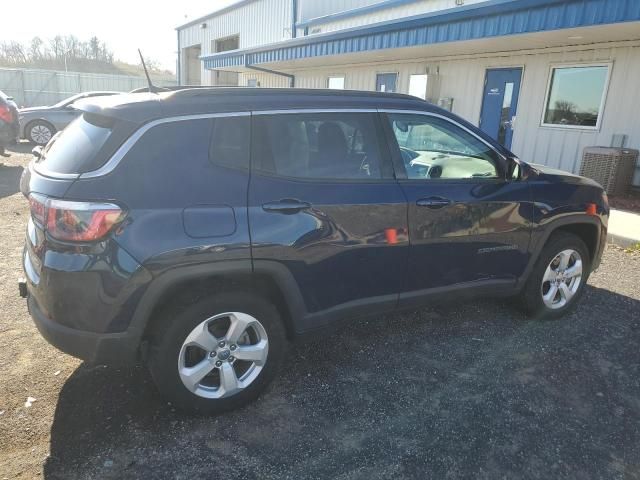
{"x":200,"y":230}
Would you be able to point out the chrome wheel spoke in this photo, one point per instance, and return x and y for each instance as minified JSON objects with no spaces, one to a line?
{"x":202,"y":337}
{"x":575,"y":270}
{"x":228,"y":380}
{"x":192,"y":376}
{"x":254,"y":353}
{"x":565,"y":257}
{"x":551,"y":294}
{"x":550,"y":275}
{"x":565,"y":292}
{"x":239,"y":323}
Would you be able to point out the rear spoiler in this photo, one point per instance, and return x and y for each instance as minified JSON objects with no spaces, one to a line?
{"x":135,"y":108}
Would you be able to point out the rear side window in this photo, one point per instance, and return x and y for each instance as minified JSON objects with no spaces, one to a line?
{"x":75,"y":147}
{"x":230,"y":140}
{"x":181,"y":145}
{"x":338,"y":146}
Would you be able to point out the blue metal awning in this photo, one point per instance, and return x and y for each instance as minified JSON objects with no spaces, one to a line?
{"x":494,"y":18}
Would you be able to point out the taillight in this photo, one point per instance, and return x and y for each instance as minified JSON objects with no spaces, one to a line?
{"x":70,"y":221}
{"x":6,"y":114}
{"x":37,"y":204}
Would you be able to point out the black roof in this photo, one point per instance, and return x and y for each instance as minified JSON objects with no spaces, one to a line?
{"x":143,"y":107}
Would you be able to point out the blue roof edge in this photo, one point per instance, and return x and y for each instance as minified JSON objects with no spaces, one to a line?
{"x":480,"y":20}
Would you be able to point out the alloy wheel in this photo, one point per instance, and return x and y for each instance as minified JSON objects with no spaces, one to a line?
{"x":40,"y":134}
{"x":223,"y":355}
{"x":561,"y":279}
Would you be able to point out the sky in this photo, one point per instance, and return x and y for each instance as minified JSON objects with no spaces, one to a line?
{"x":123,"y":25}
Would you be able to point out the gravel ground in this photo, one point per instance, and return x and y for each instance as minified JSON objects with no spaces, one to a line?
{"x":470,"y":390}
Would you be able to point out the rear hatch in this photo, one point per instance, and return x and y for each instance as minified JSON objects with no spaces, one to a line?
{"x":65,"y":224}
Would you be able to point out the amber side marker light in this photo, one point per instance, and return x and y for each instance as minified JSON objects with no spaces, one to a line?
{"x":591,"y":209}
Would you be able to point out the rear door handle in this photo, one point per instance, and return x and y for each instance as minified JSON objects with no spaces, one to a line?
{"x":433,"y":202}
{"x":287,"y":206}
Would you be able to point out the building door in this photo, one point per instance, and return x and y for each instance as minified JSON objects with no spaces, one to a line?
{"x":386,"y":82}
{"x":500,"y":102}
{"x":192,"y":65}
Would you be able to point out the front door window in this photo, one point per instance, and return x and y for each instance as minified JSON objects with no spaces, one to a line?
{"x":433,"y":148}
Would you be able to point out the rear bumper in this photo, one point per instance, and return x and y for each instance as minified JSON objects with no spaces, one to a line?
{"x":83,"y":302}
{"x":101,"y":348}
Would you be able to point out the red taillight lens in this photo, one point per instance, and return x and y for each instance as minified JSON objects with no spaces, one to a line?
{"x":38,"y":207}
{"x":75,"y":221}
{"x":6,"y":114}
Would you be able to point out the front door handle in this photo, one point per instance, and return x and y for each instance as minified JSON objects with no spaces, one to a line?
{"x":287,"y":206}
{"x":433,"y":202}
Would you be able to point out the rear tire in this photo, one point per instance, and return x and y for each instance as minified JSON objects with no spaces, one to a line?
{"x":205,"y":337}
{"x":558,"y":278}
{"x":40,"y":132}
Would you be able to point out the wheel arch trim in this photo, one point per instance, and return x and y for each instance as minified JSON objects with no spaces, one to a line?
{"x":541,"y":235}
{"x":167,"y":281}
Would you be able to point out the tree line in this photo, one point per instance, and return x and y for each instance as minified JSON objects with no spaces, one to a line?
{"x":54,"y":52}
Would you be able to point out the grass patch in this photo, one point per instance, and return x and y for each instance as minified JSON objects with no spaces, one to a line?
{"x":633,"y":248}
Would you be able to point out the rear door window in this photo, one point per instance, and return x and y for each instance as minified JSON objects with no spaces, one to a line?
{"x":335,"y":146}
{"x":230,"y":140}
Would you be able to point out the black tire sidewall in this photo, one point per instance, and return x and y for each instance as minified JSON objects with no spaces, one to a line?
{"x":532,"y":296}
{"x":35,"y":124}
{"x":167,"y":342}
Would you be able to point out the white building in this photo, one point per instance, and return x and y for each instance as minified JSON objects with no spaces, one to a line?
{"x":545,"y":77}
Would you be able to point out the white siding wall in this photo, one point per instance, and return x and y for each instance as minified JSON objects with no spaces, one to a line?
{"x":258,"y":23}
{"x":308,"y":9}
{"x":264,"y":79}
{"x":406,"y":10}
{"x":463,"y":80}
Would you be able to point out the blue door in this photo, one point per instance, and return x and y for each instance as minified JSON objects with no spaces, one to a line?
{"x":500,"y":103}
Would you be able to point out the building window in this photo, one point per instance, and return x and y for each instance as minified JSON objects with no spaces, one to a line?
{"x":575,"y":96}
{"x":386,"y":82}
{"x":418,"y":86}
{"x":226,"y":44}
{"x":336,"y":83}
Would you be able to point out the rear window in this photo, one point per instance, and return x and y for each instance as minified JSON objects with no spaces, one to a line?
{"x":75,"y":147}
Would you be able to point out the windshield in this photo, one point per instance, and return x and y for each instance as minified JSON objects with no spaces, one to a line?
{"x":68,"y":101}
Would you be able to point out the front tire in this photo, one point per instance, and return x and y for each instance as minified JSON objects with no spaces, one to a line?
{"x":217,"y":354}
{"x":558,"y":278}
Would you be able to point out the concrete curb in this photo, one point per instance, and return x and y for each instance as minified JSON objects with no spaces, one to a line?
{"x":621,"y":241}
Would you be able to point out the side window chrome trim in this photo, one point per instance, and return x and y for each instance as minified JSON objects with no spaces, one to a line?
{"x":446,"y":119}
{"x":117,"y":157}
{"x":315,"y":110}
